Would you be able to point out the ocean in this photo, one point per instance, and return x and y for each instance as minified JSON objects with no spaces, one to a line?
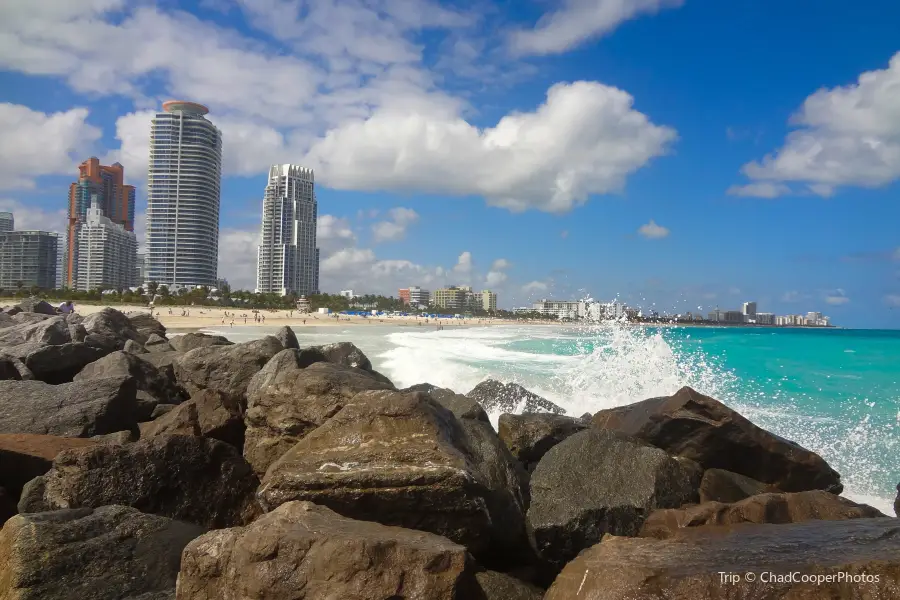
{"x":834,"y":391}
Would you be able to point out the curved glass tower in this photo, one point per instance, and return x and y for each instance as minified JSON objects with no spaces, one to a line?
{"x":183,"y":196}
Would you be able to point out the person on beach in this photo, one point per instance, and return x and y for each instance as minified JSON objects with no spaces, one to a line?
{"x":66,"y":307}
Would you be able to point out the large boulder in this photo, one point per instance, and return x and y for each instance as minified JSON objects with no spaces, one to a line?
{"x":107,"y":552}
{"x":146,"y":325}
{"x":158,"y":383}
{"x":110,"y":329}
{"x":855,"y":559}
{"x":193,"y":479}
{"x":301,"y":550}
{"x":77,"y":409}
{"x":209,"y":413}
{"x":286,"y":401}
{"x":404,"y":460}
{"x":495,"y":396}
{"x":162,"y":360}
{"x":24,"y":456}
{"x":500,"y":586}
{"x":287,"y":337}
{"x":132,"y":347}
{"x":228,"y":369}
{"x":530,"y":436}
{"x":719,"y":485}
{"x":12,"y":367}
{"x":36,"y":306}
{"x":53,"y":330}
{"x":702,"y":429}
{"x":60,"y":363}
{"x":597,"y":482}
{"x":461,"y":406}
{"x":157,"y":343}
{"x":192,"y":341}
{"x":346,"y":354}
{"x":765,"y":508}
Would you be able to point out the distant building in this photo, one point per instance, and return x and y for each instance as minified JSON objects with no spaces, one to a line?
{"x":733,"y":316}
{"x":749,"y":311}
{"x":452,"y":297}
{"x":28,"y":258}
{"x":765,"y":319}
{"x":348,"y":294}
{"x":560,"y":309}
{"x":717,"y":316}
{"x":419,"y":296}
{"x":140,"y":269}
{"x":107,"y":253}
{"x":403,"y":295}
{"x":7,"y":222}
{"x":488,"y":300}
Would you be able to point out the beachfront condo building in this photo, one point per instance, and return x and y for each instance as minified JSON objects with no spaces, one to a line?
{"x":561,"y":309}
{"x":453,"y":297}
{"x":287,"y":258}
{"x":488,"y":300}
{"x":7,"y":222}
{"x":107,"y":253}
{"x":115,"y":201}
{"x":183,"y":189}
{"x":28,"y":259}
{"x":414,"y":296}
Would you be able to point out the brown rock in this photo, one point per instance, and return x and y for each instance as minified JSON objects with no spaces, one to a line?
{"x":530,"y":436}
{"x":403,"y":460}
{"x":191,"y":341}
{"x":286,"y":401}
{"x":702,"y":429}
{"x":156,"y":343}
{"x":209,"y":413}
{"x":719,"y":485}
{"x":500,"y":586}
{"x":496,"y":396}
{"x":12,"y":367}
{"x":772,"y":508}
{"x":301,"y":550}
{"x":24,"y":456}
{"x":696,"y":564}
{"x":461,"y":406}
{"x":193,"y":479}
{"x":91,"y":554}
{"x":145,"y":324}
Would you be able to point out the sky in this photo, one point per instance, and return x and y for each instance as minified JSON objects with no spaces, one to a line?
{"x":679,"y":155}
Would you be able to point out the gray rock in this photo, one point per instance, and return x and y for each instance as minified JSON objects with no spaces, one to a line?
{"x":110,"y":329}
{"x":13,"y":368}
{"x":404,"y":460}
{"x":146,"y":325}
{"x":694,"y":564}
{"x":77,"y":332}
{"x":209,"y":413}
{"x":146,"y":404}
{"x":192,"y":341}
{"x":228,"y":369}
{"x":530,"y":436}
{"x":27,"y":318}
{"x":703,"y":429}
{"x":156,"y":343}
{"x":461,"y":406}
{"x":162,"y":360}
{"x":61,"y":363}
{"x":132,"y":347}
{"x":508,"y":398}
{"x":158,"y":383}
{"x":6,"y":320}
{"x":77,"y":409}
{"x":107,"y":552}
{"x":287,"y":337}
{"x":597,"y":482}
{"x":346,"y":354}
{"x":37,"y":306}
{"x":286,"y":401}
{"x":310,"y":552}
{"x":46,"y":330}
{"x":193,"y":479}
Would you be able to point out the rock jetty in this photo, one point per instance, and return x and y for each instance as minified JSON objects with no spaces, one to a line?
{"x":140,"y":465}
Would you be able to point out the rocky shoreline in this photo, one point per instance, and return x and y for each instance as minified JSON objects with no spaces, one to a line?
{"x":138,"y":467}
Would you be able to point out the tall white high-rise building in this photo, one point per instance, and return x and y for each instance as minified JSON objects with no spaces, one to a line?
{"x":7,"y":222}
{"x":183,"y":197}
{"x":288,"y":260}
{"x":107,"y":253}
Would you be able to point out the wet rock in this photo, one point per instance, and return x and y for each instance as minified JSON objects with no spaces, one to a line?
{"x":346,"y":354}
{"x":507,"y":398}
{"x":530,"y":436}
{"x":24,"y":456}
{"x":158,"y":383}
{"x":77,"y":409}
{"x":209,"y":413}
{"x":698,"y":427}
{"x":193,"y":479}
{"x":461,"y":406}
{"x":161,"y":410}
{"x":321,"y":554}
{"x":287,"y":337}
{"x":500,"y":586}
{"x":772,"y":508}
{"x":110,"y":329}
{"x":597,"y":482}
{"x":192,"y":341}
{"x":695,"y":562}
{"x":286,"y":401}
{"x":107,"y":552}
{"x":157,"y":343}
{"x":37,"y":306}
{"x":404,"y":460}
{"x":146,"y":325}
{"x":11,"y":368}
{"x":719,"y":485}
{"x":132,"y":347}
{"x":228,"y":369}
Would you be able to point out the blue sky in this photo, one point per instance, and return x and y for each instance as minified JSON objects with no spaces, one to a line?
{"x":676,"y":154}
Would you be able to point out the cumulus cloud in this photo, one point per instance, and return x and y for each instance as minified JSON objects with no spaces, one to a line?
{"x":760,"y":189}
{"x":837,"y":298}
{"x":333,"y":234}
{"x":28,"y":216}
{"x":36,"y":143}
{"x":652,"y":231}
{"x":844,"y":136}
{"x":497,"y":275}
{"x":534,"y":286}
{"x":578,"y":21}
{"x":464,"y":264}
{"x":395,"y":228}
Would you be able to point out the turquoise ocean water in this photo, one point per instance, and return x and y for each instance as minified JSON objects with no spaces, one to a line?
{"x":836,"y":392}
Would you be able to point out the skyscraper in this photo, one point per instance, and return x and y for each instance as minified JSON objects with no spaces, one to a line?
{"x":107,"y":252}
{"x":28,"y":258}
{"x":115,"y":202}
{"x":7,"y":222}
{"x":183,"y":196}
{"x":288,"y":260}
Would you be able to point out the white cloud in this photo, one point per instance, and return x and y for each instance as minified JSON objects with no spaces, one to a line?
{"x":578,"y":21}
{"x":395,"y":229}
{"x":35,"y":143}
{"x":845,"y":136}
{"x":760,"y":189}
{"x":535,"y":286}
{"x":837,"y":298}
{"x":497,"y":276}
{"x":586,"y":139}
{"x":892,"y":300}
{"x":500,"y":264}
{"x":464,"y":264}
{"x":333,"y":234}
{"x":32,"y":217}
{"x":360,"y":269}
{"x":237,"y":257}
{"x":652,"y":231}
